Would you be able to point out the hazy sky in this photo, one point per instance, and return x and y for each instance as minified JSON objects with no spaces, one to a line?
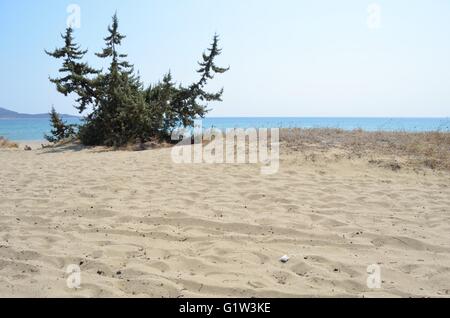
{"x":287,"y":57}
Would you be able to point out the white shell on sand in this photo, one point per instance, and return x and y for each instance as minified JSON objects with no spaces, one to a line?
{"x":284,"y":259}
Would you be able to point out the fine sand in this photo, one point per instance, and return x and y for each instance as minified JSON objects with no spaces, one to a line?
{"x":139,"y":225}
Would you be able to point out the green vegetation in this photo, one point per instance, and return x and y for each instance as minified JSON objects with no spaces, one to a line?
{"x":117,"y":108}
{"x":60,"y":130}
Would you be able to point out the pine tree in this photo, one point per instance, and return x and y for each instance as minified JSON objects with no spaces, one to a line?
{"x":110,"y":51}
{"x":76,"y":74}
{"x":122,"y":111}
{"x":60,"y":129}
{"x":207,"y":70}
{"x":121,"y":115}
{"x":186,"y":101}
{"x":162,"y":112}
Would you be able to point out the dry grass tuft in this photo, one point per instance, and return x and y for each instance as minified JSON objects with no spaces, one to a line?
{"x":5,"y":143}
{"x":426,"y":149}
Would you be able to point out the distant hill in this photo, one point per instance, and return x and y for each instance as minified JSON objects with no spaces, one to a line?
{"x":6,"y":113}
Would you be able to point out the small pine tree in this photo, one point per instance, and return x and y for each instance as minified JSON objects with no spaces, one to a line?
{"x":162,"y":112}
{"x":60,"y":129}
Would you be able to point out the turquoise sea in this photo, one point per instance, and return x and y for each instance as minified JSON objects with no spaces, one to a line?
{"x":34,"y":129}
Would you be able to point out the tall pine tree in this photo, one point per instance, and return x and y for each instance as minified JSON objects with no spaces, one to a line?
{"x":207,"y":70}
{"x":76,"y":75}
{"x":185,"y":102}
{"x":121,"y":115}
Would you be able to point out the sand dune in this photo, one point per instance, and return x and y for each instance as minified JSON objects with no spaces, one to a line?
{"x":139,"y":225}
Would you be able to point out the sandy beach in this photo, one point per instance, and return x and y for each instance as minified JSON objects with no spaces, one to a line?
{"x":139,"y":225}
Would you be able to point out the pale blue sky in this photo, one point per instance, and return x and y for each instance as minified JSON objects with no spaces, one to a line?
{"x":287,"y":57}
